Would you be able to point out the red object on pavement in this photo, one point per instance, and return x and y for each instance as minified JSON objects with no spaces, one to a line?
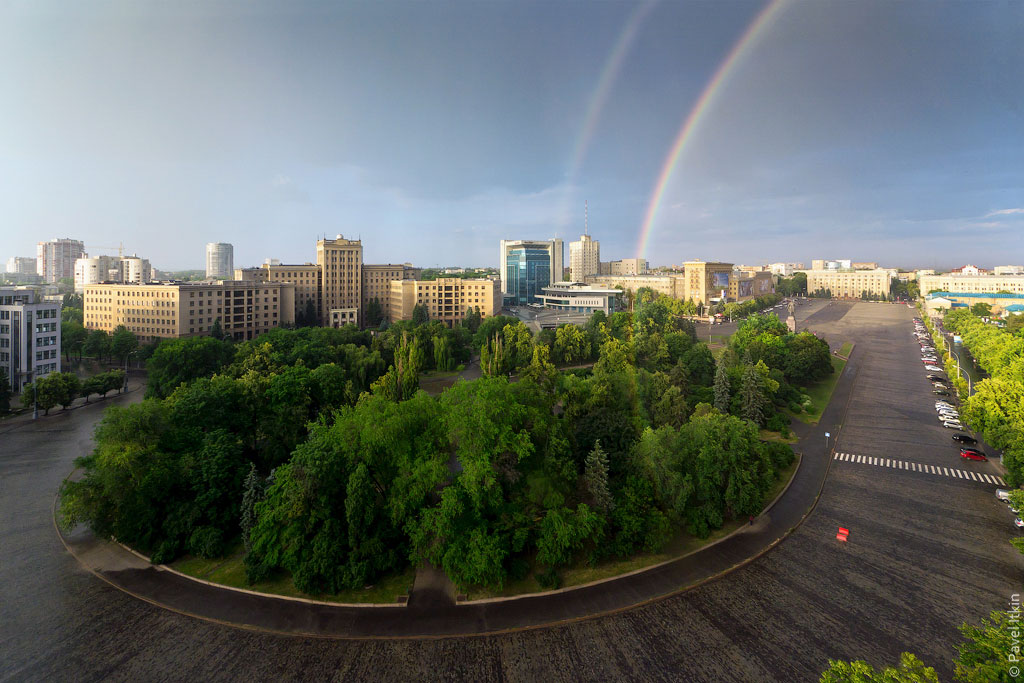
{"x":841,"y":537}
{"x":844,"y":532}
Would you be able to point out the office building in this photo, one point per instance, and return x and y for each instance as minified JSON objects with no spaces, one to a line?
{"x":220,"y":260}
{"x":29,"y":336}
{"x":376,"y":286}
{"x":744,"y":285}
{"x":1008,"y":270}
{"x":584,"y":258}
{"x":445,"y":299}
{"x":167,"y":310}
{"x":702,"y":282}
{"x":825,"y":264}
{"x":21,"y":265}
{"x":864,"y":265}
{"x":971,"y":284}
{"x":528,"y":266}
{"x":55,"y":259}
{"x":707,"y":281}
{"x":670,"y":284}
{"x":305,"y":277}
{"x":850,"y":284}
{"x":577,"y":297}
{"x":134,"y":270}
{"x":784,"y":269}
{"x":94,"y":270}
{"x":341,"y":263}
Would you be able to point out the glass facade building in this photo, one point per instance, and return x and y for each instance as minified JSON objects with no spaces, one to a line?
{"x":527,"y":267}
{"x":527,"y":272}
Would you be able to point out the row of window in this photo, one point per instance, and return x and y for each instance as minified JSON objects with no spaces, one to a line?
{"x":46,"y":355}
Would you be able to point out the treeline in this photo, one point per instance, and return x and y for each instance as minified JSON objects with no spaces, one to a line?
{"x":996,"y":409}
{"x":63,"y":388}
{"x":328,"y":467}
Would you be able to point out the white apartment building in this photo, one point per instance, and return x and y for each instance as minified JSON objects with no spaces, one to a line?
{"x":584,"y":258}
{"x":998,"y":270}
{"x":21,"y":265}
{"x":971,"y":284}
{"x":56,"y":259}
{"x":29,"y":336}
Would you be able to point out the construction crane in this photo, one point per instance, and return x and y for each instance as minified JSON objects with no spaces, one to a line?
{"x":120,"y":249}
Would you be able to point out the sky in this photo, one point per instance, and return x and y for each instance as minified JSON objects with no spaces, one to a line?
{"x":875,"y":131}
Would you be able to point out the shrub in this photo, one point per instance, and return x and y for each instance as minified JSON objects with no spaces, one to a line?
{"x":206,"y":542}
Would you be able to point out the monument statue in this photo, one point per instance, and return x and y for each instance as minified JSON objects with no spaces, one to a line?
{"x":791,"y":320}
{"x":792,"y":307}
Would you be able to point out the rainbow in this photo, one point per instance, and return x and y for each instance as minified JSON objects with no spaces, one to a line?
{"x":704,"y":103}
{"x":605,"y":81}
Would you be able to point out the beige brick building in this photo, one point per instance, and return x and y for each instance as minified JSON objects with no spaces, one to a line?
{"x":156,"y":311}
{"x":377,"y":280}
{"x":341,"y":263}
{"x":446,"y":299}
{"x":850,"y":284}
{"x":971,"y":284}
{"x":305,"y":277}
{"x":699,"y":282}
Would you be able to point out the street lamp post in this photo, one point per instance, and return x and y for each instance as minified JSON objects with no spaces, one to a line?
{"x":826,"y":442}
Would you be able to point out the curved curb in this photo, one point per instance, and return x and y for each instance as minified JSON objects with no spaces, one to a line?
{"x":484,"y":633}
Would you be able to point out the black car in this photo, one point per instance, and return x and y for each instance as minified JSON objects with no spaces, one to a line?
{"x":936,"y":378}
{"x":963,"y":438}
{"x":940,"y":392}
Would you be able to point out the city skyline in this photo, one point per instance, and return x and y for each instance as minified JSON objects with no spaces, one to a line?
{"x":748,"y":132}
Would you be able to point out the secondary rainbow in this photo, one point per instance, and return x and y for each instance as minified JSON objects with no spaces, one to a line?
{"x":696,"y":115}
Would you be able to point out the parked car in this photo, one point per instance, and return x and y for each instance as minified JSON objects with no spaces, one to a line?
{"x":940,"y":392}
{"x":963,"y":438}
{"x":936,"y":378}
{"x":973,"y":454}
{"x":933,"y":368}
{"x":1018,"y":522}
{"x":1003,"y":495}
{"x":950,"y":424}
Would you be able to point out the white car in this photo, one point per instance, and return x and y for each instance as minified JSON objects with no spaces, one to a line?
{"x":949,"y":424}
{"x":933,"y":368}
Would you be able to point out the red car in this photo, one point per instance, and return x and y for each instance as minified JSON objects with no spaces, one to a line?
{"x":973,"y":454}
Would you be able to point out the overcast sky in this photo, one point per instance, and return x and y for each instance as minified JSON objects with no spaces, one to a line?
{"x":882,"y":131}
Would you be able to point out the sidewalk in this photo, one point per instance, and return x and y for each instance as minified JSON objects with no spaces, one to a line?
{"x":442,"y":618}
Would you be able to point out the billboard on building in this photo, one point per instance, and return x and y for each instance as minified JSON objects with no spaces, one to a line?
{"x":719,"y":279}
{"x":764,"y":285}
{"x":746,"y":288}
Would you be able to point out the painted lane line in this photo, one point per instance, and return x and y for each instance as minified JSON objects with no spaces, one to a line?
{"x":1001,"y":482}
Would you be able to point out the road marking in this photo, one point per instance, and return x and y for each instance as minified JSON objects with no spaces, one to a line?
{"x":906,"y":465}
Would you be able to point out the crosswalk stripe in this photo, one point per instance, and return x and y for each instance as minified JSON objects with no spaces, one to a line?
{"x":1001,"y":482}
{"x":989,"y":479}
{"x":946,"y":471}
{"x":973,"y":476}
{"x":907,"y":465}
{"x":958,"y":474}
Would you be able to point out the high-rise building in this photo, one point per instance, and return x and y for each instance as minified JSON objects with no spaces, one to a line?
{"x":220,"y":260}
{"x":56,"y":259}
{"x":445,"y":299}
{"x":528,"y":266}
{"x":156,"y":311}
{"x":134,"y":270}
{"x":29,"y":336}
{"x":21,"y":265}
{"x":584,"y":258}
{"x":341,"y":261}
{"x":125,"y":269}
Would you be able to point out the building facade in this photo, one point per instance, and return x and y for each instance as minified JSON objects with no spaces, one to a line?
{"x":1001,"y":304}
{"x":584,"y":258}
{"x":784,"y":269}
{"x":220,"y":260}
{"x":307,"y":280}
{"x":445,"y":299}
{"x":377,"y":280}
{"x":969,"y":269}
{"x":750,"y":285}
{"x":706,"y":280}
{"x":1001,"y":270}
{"x":21,"y":265}
{"x":29,"y":336}
{"x":55,"y":259}
{"x":850,"y":284}
{"x":155,"y":311}
{"x":579,"y":298}
{"x":527,"y":267}
{"x":341,"y":264}
{"x":94,"y":270}
{"x":971,"y":284}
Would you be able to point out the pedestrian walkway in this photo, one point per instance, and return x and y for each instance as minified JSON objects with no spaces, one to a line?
{"x":908,"y":466}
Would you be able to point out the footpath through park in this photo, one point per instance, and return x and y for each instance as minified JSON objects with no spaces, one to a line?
{"x":439,"y":618}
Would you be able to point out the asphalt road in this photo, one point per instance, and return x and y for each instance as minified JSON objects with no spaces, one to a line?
{"x":925,"y":553}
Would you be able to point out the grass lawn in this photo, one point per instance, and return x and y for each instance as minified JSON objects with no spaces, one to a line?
{"x":846,"y":350}
{"x":230,"y":571}
{"x":766,"y":435}
{"x":820,"y":394}
{"x":681,"y":544}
